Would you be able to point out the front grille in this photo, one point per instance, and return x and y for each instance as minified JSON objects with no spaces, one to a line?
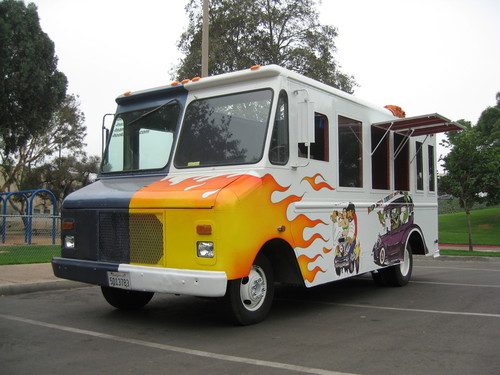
{"x":146,"y":238}
{"x":114,"y":237}
{"x":130,"y":238}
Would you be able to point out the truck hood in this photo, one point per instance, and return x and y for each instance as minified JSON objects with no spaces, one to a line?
{"x":182,"y":192}
{"x":200,"y":191}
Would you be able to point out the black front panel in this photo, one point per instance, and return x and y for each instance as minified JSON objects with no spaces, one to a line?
{"x":85,"y":232}
{"x":114,"y":240}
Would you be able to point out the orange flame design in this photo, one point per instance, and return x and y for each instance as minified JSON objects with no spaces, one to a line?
{"x":317,"y":186}
{"x":304,"y":262}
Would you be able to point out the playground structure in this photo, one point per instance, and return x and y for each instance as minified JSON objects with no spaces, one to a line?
{"x":29,"y":227}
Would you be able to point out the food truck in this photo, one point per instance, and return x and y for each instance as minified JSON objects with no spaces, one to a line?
{"x":225,"y":185}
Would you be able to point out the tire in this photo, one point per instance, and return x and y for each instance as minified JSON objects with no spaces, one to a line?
{"x":126,"y":299}
{"x":399,"y":275}
{"x":249,"y":299}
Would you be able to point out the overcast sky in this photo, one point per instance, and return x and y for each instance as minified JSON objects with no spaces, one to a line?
{"x":426,"y":56}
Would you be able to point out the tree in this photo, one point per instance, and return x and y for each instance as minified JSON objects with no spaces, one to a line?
{"x":63,"y":175}
{"x":488,"y":125}
{"x":248,"y":32}
{"x":473,"y":165}
{"x":31,"y":87}
{"x":65,"y":131}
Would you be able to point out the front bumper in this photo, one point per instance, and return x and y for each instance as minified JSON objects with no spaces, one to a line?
{"x":143,"y":278}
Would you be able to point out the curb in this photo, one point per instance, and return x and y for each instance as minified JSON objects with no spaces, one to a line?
{"x":40,"y":286}
{"x":464,"y":258}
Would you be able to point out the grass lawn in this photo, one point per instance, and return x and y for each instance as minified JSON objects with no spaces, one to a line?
{"x":485,"y":228}
{"x":28,"y":254}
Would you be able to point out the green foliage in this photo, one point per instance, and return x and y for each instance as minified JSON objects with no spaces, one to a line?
{"x":488,"y":125}
{"x":65,"y":133}
{"x":471,"y":168}
{"x":486,"y":227}
{"x":31,"y":87}
{"x":248,"y":32}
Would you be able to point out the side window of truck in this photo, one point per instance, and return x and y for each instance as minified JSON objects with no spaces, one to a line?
{"x":401,"y":163}
{"x":432,"y":168}
{"x":350,"y":152}
{"x":420,"y":165}
{"x":380,"y":159}
{"x":319,"y":149}
{"x":279,"y":150}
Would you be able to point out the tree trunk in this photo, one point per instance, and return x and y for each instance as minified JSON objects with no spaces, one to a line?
{"x":469,"y":228}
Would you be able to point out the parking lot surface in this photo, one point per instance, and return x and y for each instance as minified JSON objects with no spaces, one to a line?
{"x":446,"y":321}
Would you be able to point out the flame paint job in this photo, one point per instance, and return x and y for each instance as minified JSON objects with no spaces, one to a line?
{"x":245,"y":211}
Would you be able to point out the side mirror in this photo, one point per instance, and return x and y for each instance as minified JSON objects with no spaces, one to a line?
{"x":104,"y":134}
{"x":305,"y":117}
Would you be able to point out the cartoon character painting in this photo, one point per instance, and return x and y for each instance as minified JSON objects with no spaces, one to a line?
{"x":345,"y":240}
{"x":397,"y":221}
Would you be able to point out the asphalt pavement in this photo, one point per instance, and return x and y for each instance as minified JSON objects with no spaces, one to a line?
{"x":445,"y":321}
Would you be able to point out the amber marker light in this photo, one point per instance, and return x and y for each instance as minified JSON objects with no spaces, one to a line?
{"x":196,"y":79}
{"x":175,"y":83}
{"x":67,"y":224}
{"x":127,"y":93}
{"x":204,"y":229}
{"x":255,"y":67}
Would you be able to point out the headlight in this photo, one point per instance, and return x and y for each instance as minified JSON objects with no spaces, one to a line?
{"x":205,"y":249}
{"x":69,"y":242}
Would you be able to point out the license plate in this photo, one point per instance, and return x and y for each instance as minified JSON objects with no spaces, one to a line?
{"x":119,"y":280}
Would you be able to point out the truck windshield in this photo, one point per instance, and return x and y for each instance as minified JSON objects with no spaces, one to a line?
{"x":224,"y":130}
{"x":142,"y":139}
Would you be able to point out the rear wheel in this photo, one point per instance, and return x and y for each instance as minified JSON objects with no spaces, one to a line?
{"x":249,"y":299}
{"x":398,"y":275}
{"x":126,"y":299}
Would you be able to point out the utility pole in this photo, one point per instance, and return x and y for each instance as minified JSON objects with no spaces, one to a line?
{"x":204,"y":41}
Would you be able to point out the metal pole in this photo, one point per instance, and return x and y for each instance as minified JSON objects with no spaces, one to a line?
{"x":204,"y":41}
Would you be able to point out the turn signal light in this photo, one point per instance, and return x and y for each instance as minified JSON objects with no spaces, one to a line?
{"x":67,"y":224}
{"x":204,"y":229}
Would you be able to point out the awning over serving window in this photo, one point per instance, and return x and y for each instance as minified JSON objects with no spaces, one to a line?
{"x":419,"y":125}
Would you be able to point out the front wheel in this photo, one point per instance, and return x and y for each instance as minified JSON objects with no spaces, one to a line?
{"x":249,"y":298}
{"x":126,"y":299}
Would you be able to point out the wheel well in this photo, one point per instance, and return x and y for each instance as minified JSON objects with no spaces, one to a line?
{"x":417,"y":243}
{"x":283,"y":260}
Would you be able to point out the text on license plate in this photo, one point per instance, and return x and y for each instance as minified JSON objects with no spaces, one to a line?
{"x":119,"y":280}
